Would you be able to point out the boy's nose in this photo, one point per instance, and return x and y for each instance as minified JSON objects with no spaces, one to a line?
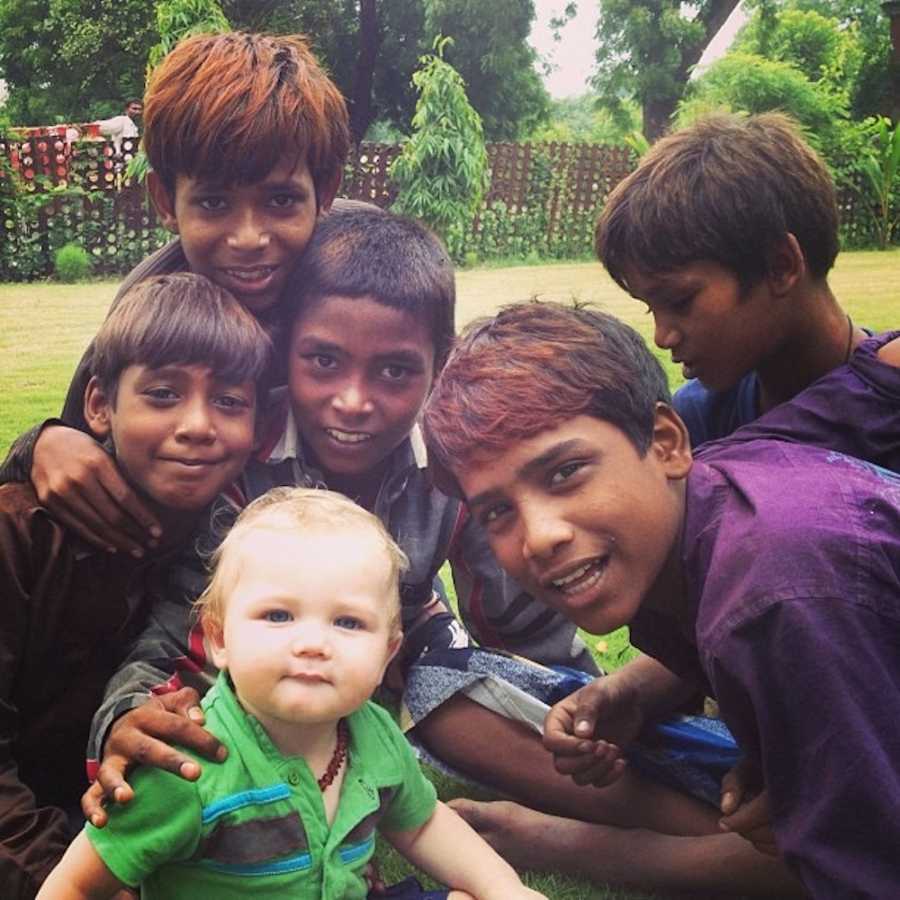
{"x":543,"y":534}
{"x":196,"y":423}
{"x":249,"y":232}
{"x":665,"y":334}
{"x":352,"y":399}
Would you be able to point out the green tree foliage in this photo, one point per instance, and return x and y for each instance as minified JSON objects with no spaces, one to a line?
{"x":77,"y":59}
{"x":442,"y":171}
{"x":579,"y":119}
{"x":490,"y":51}
{"x":73,"y":60}
{"x":869,"y":87}
{"x":828,"y":53}
{"x":808,"y":65}
{"x":881,"y":166}
{"x":179,"y":19}
{"x":745,"y":82}
{"x":647,"y":49}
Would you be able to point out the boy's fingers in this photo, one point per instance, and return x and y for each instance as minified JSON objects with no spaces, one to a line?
{"x":145,"y":734}
{"x":569,"y":726}
{"x":86,"y":492}
{"x":92,"y":805}
{"x":733,"y":788}
{"x":82,"y":517}
{"x":110,"y":498}
{"x":141,"y":749}
{"x":749,"y":816}
{"x":605,"y":767}
{"x":137,"y":516}
{"x":588,"y":703}
{"x":183,"y":702}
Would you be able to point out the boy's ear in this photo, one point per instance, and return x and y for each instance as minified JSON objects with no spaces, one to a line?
{"x":325,"y":196}
{"x":97,"y":409}
{"x":671,"y":443}
{"x":787,"y":265}
{"x":163,"y":201}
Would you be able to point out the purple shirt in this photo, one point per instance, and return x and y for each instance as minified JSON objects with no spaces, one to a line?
{"x":711,"y":415}
{"x":792,"y":560}
{"x":855,"y":409}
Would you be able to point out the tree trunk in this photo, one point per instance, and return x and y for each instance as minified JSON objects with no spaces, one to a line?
{"x":363,"y":75}
{"x":657,"y":111}
{"x":656,"y":115}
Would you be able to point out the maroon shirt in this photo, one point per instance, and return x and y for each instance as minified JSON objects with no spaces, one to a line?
{"x":67,"y":613}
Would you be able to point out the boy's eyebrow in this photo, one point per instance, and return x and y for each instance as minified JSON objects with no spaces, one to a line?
{"x":402,"y":355}
{"x":311,"y":342}
{"x":283,"y":185}
{"x":550,"y":455}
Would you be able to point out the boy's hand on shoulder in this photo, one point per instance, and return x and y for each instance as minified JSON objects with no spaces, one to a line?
{"x":144,"y":736}
{"x":81,"y":486}
{"x":586,"y":731}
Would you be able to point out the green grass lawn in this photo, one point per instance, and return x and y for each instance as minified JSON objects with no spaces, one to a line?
{"x":44,"y":329}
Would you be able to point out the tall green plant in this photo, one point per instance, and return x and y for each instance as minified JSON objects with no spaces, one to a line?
{"x":881,"y":167}
{"x":442,"y":171}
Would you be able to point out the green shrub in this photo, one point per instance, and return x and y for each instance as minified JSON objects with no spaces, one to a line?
{"x":72,"y":263}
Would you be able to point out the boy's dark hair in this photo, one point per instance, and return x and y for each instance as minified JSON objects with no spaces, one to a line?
{"x":227,"y":107}
{"x":359,"y":250}
{"x":728,"y":188}
{"x":533,"y":366}
{"x":180,"y":319}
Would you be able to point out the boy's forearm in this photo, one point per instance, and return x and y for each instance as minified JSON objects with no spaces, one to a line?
{"x":17,"y":465}
{"x":452,"y":853}
{"x":155,"y":659}
{"x":659,"y":691}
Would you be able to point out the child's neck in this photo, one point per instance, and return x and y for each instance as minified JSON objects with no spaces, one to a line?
{"x":823,"y":339}
{"x":314,"y":742}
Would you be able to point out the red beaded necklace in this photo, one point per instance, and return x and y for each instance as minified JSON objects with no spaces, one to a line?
{"x":337,"y":758}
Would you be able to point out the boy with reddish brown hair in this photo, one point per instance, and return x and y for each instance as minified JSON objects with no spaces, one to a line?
{"x":759,"y":571}
{"x":246,"y":136}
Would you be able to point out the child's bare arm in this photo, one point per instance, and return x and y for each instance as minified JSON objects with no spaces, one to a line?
{"x":451,"y":852}
{"x":80,"y":875}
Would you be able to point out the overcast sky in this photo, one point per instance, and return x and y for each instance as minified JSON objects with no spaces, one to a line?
{"x":574,"y":54}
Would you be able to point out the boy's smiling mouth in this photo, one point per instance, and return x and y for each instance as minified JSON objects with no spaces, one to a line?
{"x":349,"y":437}
{"x":583,"y":577}
{"x":250,"y":274}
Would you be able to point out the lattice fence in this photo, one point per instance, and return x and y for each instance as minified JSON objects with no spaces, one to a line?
{"x":543,"y":202}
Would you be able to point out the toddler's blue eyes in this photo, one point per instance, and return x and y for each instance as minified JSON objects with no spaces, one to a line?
{"x":278,"y":616}
{"x":349,"y":622}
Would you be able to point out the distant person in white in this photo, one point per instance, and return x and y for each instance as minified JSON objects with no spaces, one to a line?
{"x":120,"y":127}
